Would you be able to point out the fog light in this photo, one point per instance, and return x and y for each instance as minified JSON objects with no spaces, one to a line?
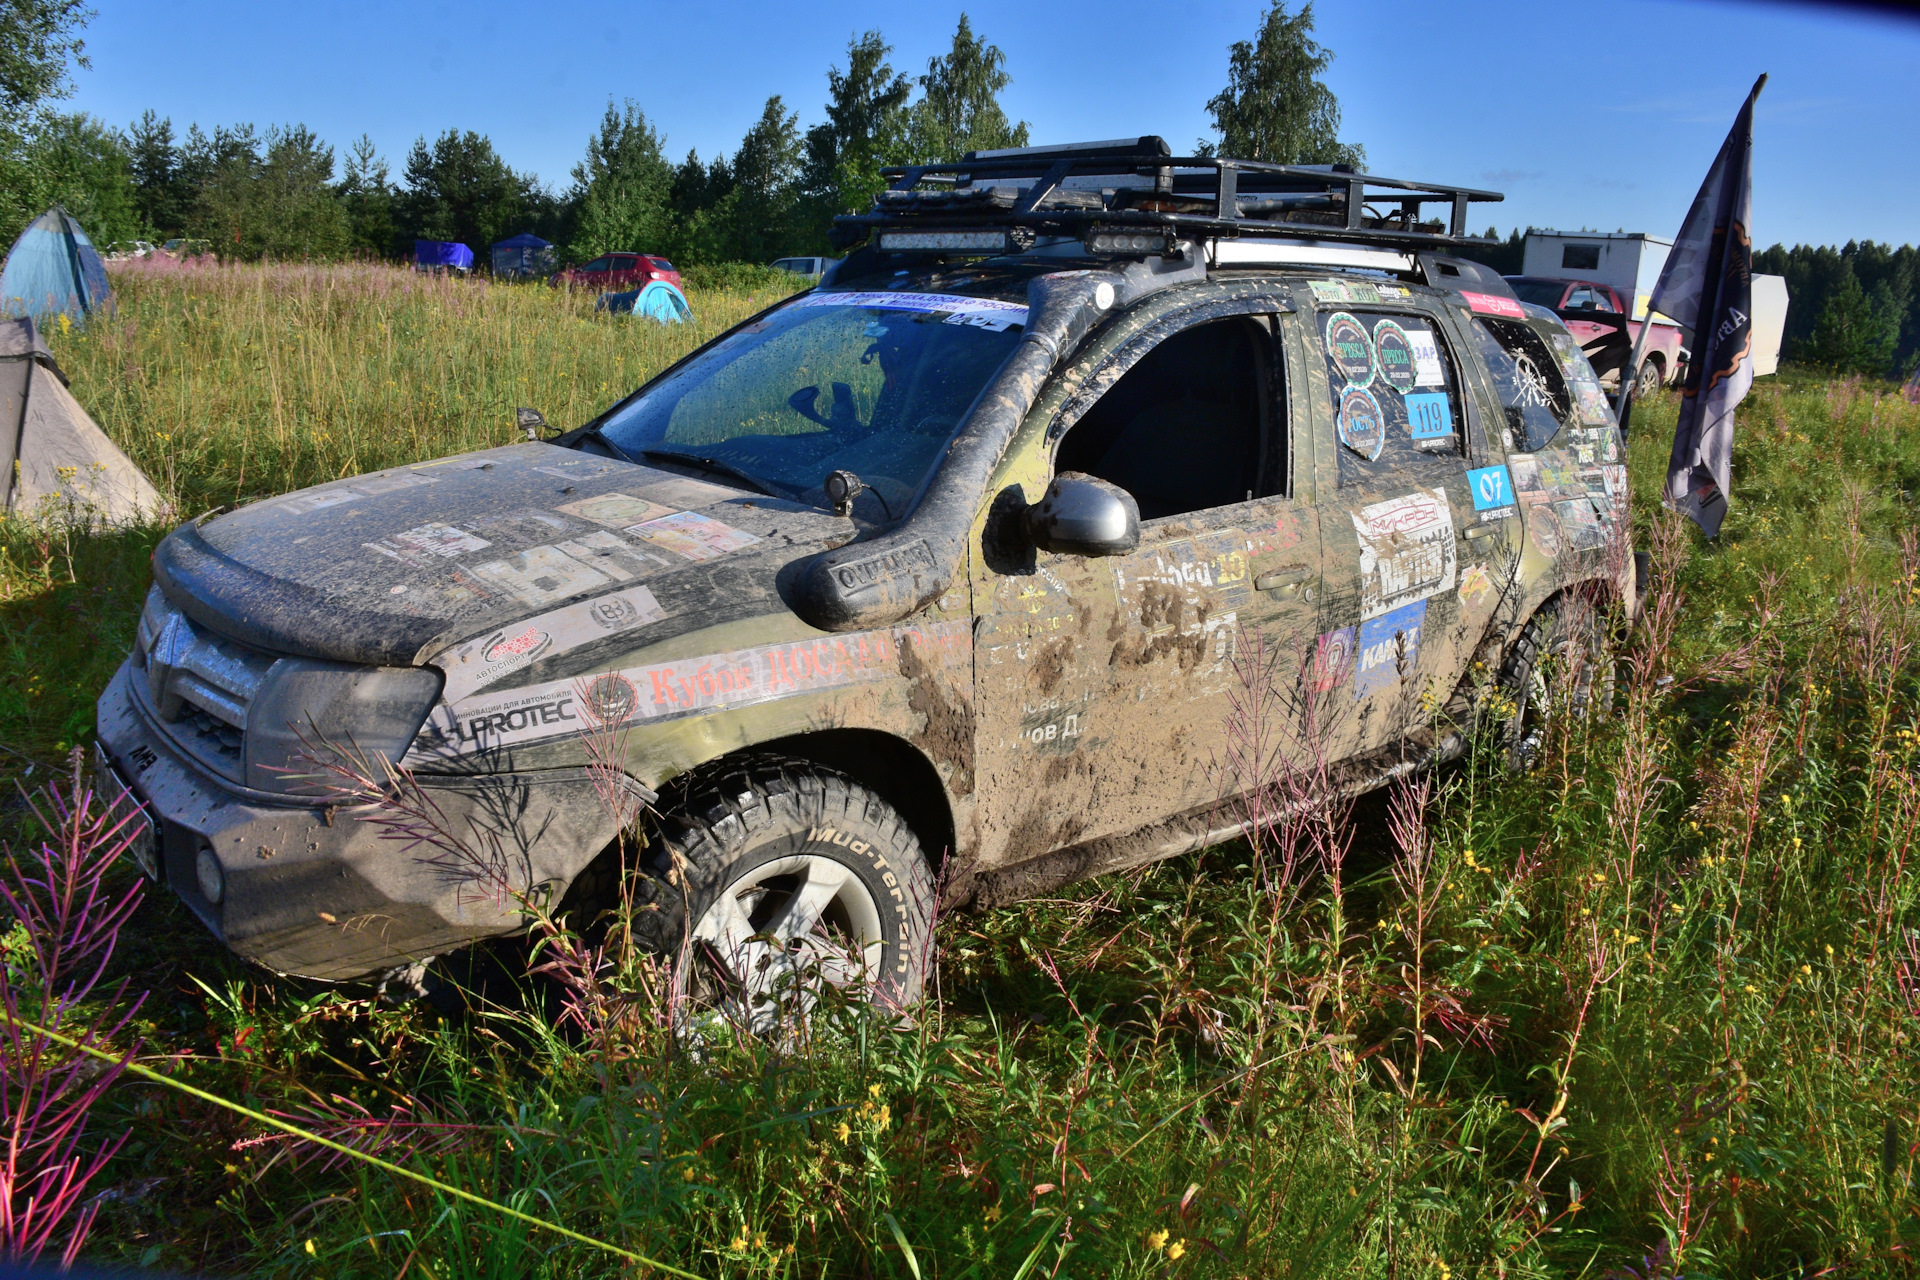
{"x":212,"y":876}
{"x":1128,"y":242}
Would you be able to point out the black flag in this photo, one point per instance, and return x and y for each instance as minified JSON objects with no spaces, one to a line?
{"x":1707,"y":286}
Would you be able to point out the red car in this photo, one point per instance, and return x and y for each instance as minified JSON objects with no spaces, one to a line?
{"x":618,"y":271}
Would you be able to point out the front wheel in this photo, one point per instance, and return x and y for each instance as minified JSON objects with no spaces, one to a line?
{"x":796,"y":877}
{"x":1561,"y":664}
{"x":1649,"y":381}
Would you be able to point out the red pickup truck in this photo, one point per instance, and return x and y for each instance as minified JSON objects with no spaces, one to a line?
{"x":1598,"y":318}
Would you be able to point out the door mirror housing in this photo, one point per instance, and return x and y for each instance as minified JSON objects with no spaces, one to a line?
{"x":1084,"y":516}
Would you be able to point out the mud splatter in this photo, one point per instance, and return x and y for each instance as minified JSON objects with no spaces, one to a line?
{"x":948,"y":735}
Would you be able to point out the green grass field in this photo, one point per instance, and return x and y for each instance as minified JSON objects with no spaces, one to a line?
{"x":1648,"y":1010}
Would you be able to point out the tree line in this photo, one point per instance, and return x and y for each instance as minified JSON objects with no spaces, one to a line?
{"x":283,"y":192}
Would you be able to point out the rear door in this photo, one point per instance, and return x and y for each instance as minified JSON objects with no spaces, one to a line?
{"x":1417,"y":514}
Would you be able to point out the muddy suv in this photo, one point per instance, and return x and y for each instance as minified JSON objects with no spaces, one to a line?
{"x":946,"y":571}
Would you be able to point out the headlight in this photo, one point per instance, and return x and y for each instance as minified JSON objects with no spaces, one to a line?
{"x":370,"y":709}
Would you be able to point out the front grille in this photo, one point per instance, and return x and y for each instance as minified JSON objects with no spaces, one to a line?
{"x":199,"y":684}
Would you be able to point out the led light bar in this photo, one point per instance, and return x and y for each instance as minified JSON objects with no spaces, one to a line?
{"x":943,"y":241}
{"x":1111,"y":241}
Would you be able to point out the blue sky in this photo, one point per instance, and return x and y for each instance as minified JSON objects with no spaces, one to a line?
{"x":1599,"y":115}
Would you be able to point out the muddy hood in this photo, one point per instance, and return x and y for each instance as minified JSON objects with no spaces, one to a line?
{"x":392,"y":567}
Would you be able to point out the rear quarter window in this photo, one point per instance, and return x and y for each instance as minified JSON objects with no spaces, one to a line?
{"x":1395,"y":392}
{"x":1527,"y":377}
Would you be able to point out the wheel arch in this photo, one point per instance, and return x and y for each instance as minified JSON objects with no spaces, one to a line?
{"x":891,"y":767}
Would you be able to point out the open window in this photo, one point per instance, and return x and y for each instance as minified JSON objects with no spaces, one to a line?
{"x":1185,"y":429}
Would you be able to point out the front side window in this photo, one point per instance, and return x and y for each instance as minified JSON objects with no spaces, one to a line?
{"x":1183,"y":429}
{"x":872,"y":383}
{"x":599,"y":264}
{"x":1527,"y":377}
{"x":1395,"y":392}
{"x":1542,"y":293}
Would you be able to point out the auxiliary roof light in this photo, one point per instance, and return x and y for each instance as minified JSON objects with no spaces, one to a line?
{"x":943,"y":241}
{"x":1118,"y":242}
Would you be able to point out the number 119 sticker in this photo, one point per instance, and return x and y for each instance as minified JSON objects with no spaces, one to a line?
{"x":1429,"y":416}
{"x":1492,"y":492}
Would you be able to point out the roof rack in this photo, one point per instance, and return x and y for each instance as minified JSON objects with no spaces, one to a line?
{"x":1134,"y":197}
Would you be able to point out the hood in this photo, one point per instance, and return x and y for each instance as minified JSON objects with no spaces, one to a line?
{"x":390,"y":568}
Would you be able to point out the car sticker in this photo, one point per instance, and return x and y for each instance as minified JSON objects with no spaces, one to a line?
{"x":1356,"y":291}
{"x":1475,"y":585}
{"x":1492,"y":490}
{"x":1394,"y":350}
{"x":615,"y":510}
{"x":1351,"y":347}
{"x":1544,"y":528}
{"x":1362,"y":424}
{"x":1406,"y":550}
{"x":1332,"y":660}
{"x":1493,"y":305}
{"x":612,"y":555}
{"x":1427,"y":369}
{"x":1429,"y":415}
{"x":692,"y":535}
{"x":559,"y":708}
{"x":485,"y":659}
{"x":990,"y":312}
{"x":1580,"y":525}
{"x":1387,"y":648}
{"x":539,"y":575}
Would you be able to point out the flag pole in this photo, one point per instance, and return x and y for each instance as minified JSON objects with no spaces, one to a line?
{"x":1630,"y":376}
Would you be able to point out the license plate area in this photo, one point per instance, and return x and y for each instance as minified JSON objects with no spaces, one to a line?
{"x":125,"y":811}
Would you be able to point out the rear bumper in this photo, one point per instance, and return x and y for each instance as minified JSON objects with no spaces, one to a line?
{"x":322,"y":893}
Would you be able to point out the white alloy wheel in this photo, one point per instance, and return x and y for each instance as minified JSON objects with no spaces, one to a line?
{"x":771,"y":931}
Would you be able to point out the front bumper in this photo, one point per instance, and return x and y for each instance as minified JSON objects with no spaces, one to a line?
{"x":323,"y":892}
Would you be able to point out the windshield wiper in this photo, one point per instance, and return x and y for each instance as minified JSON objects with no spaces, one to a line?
{"x":606,"y":442}
{"x":714,"y":465}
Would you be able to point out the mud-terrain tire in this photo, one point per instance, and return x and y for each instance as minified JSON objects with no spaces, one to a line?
{"x":1566,"y":640}
{"x":1650,"y":379}
{"x":791,"y":867}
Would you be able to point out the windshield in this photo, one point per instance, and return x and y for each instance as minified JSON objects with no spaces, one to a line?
{"x":872,"y":383}
{"x":1541,"y":293}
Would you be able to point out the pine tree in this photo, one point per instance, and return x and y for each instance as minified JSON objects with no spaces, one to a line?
{"x":1275,"y":106}
{"x":766,"y":171}
{"x":460,"y":189}
{"x":366,"y":194}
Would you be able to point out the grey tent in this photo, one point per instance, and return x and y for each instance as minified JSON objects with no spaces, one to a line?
{"x":56,"y":459}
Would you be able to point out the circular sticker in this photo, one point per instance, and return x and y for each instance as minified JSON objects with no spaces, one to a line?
{"x":1544,"y":526}
{"x":1363,"y":427}
{"x":610,"y":699}
{"x":1394,"y":353}
{"x":1351,"y":348}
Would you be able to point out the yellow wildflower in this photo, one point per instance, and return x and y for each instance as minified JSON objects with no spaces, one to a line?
{"x":842,"y":1131}
{"x":874,"y":1089}
{"x":993,"y":1213}
{"x":1156,"y":1240}
{"x":311,"y":1251}
{"x":1177,"y":1249}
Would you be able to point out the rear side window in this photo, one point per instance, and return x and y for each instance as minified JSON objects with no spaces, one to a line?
{"x":1395,"y":392}
{"x":1527,"y":377}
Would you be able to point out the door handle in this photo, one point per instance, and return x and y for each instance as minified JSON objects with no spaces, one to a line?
{"x":1284,"y":584}
{"x":1479,"y":531}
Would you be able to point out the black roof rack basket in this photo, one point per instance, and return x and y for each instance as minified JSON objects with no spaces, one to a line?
{"x":1138,"y":184}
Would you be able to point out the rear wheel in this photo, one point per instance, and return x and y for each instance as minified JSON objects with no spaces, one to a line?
{"x":1561,"y":665}
{"x":797,"y":877}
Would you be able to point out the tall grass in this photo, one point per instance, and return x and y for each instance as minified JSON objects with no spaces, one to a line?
{"x":1648,"y":1010}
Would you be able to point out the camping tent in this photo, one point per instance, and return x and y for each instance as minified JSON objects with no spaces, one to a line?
{"x":441,"y":253}
{"x":55,"y":459}
{"x":656,"y":299}
{"x":523,"y":257}
{"x":52,"y":269}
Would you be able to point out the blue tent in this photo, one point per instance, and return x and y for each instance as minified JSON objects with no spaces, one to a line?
{"x":442,"y":253}
{"x":522,"y":257}
{"x":54,"y":269}
{"x":656,"y":299}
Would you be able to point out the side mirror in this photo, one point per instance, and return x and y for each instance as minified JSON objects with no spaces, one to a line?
{"x":1084,"y":516}
{"x":530,"y":421}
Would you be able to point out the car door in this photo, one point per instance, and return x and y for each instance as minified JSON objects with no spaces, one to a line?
{"x":1104,"y":685}
{"x":1417,"y":515}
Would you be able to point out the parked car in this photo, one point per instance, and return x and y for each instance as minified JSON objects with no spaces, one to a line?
{"x":1597,"y":317}
{"x":618,"y":271}
{"x":182,"y":247}
{"x":121,"y":250}
{"x":944,"y":574}
{"x":804,"y":266}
